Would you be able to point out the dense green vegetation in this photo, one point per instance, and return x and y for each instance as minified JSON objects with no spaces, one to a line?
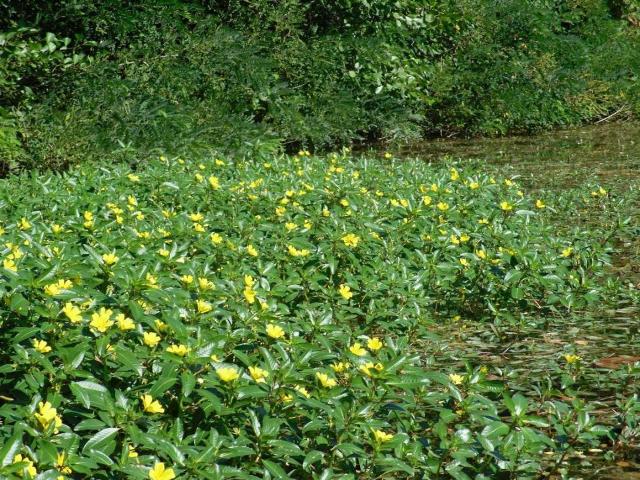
{"x":182,"y":296}
{"x":82,"y":80}
{"x":290,"y":318}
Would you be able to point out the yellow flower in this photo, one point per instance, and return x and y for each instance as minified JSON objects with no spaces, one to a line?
{"x":294,"y":252}
{"x":483,"y":221}
{"x":351,"y":240}
{"x":24,"y":224}
{"x":109,"y":258}
{"x":358,"y":349}
{"x":382,"y":437}
{"x":442,"y":206}
{"x":454,"y":174}
{"x":150,"y":405}
{"x":160,"y":325}
{"x":133,"y":178}
{"x":302,"y":391}
{"x":46,"y":415}
{"x":152,"y":281}
{"x":249,"y":294}
{"x":540,"y":204}
{"x":325,"y":380}
{"x":101,"y":320}
{"x":60,"y":464}
{"x":506,"y":206}
{"x":196,"y":217}
{"x":132,"y":452}
{"x":198,"y":227}
{"x":203,"y":307}
{"x":456,"y":379}
{"x":214,"y":182}
{"x":151,"y":339}
{"x":571,"y":358}
{"x":52,"y":289}
{"x":340,"y":367}
{"x":274,"y":331}
{"x":258,"y":374}
{"x":345,"y":291}
{"x":567,"y":252}
{"x":481,"y":254}
{"x":56,"y":229}
{"x":124,"y":322}
{"x":205,"y":284}
{"x":388,"y":155}
{"x":186,"y":279}
{"x":374,"y":344}
{"x":426,"y":199}
{"x":73,"y":313}
{"x":216,"y":238}
{"x":286,"y":397}
{"x":280,"y":211}
{"x":41,"y":346}
{"x":159,"y":472}
{"x":367,"y":367}
{"x":227,"y":374}
{"x":474,"y":185}
{"x":30,"y":469}
{"x":464,"y":262}
{"x":9,"y":264}
{"x":55,"y":288}
{"x":180,"y":350}
{"x":163,"y":252}
{"x":290,"y":226}
{"x":344,"y":202}
{"x":251,"y":250}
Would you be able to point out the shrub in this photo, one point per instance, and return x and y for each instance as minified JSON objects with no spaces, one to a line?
{"x":194,"y":77}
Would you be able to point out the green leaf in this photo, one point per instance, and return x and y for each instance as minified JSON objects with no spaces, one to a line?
{"x":314,"y":456}
{"x":100,"y":439}
{"x":495,"y":429}
{"x":276,"y":470}
{"x":10,"y":448}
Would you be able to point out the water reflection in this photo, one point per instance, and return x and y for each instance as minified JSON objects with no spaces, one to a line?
{"x":553,"y":159}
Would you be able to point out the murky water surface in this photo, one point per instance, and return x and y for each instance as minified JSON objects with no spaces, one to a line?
{"x":551,"y":160}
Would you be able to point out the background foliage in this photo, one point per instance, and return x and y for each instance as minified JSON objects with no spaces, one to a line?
{"x":85,"y":79}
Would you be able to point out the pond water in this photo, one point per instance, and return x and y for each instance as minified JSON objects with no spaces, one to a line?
{"x":608,"y":154}
{"x":555,"y":159}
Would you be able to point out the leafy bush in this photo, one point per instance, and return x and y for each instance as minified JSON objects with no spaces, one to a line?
{"x":192,"y":77}
{"x":259,"y":318}
{"x":28,"y":62}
